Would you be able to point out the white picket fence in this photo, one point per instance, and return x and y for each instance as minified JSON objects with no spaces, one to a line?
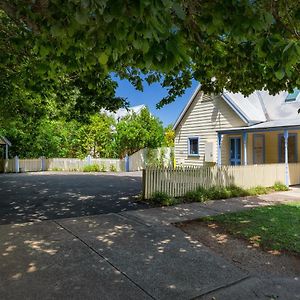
{"x":145,"y":157}
{"x":136,"y":162}
{"x":177,"y":182}
{"x":16,"y":165}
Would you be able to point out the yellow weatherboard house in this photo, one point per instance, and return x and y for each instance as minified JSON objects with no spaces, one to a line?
{"x":231,"y":129}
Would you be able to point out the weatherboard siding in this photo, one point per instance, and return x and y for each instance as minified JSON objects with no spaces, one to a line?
{"x":206,"y":115}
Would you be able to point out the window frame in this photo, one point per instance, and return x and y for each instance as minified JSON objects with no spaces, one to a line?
{"x":297,"y":99}
{"x":280,"y":136}
{"x":189,"y":146}
{"x":255,"y":136}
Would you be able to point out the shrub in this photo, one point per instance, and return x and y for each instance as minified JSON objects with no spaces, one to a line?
{"x":57,"y":169}
{"x":237,"y":191}
{"x":199,"y":195}
{"x":91,"y":168}
{"x":218,"y":193}
{"x":278,"y":186}
{"x":163,"y":199}
{"x":113,"y":168}
{"x":102,"y":168}
{"x":259,"y":190}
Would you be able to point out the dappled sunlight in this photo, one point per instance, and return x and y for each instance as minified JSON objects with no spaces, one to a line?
{"x":193,"y":241}
{"x":111,"y":234}
{"x":32,"y":268}
{"x":213,"y":225}
{"x":37,"y":197}
{"x":274,"y":252}
{"x":221,"y":238}
{"x":16,"y":276}
{"x":41,"y":245}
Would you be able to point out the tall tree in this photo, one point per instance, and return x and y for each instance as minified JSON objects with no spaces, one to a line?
{"x":169,"y":136}
{"x":138,"y":131}
{"x":239,"y":45}
{"x":97,"y":136}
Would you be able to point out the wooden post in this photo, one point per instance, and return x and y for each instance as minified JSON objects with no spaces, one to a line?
{"x":6,"y":151}
{"x":144,"y":184}
{"x":245,"y":138}
{"x":89,"y":159}
{"x":286,"y":156}
{"x":126,"y":163}
{"x":219,"y":149}
{"x":17,"y":164}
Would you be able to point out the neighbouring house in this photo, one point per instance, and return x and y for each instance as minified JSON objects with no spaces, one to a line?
{"x":230,"y":129}
{"x":4,"y":144}
{"x":124,"y":112}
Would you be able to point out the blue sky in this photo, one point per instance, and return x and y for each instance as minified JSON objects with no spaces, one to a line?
{"x":151,"y":95}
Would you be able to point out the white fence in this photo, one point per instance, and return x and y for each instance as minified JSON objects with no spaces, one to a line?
{"x":61,"y":164}
{"x":151,"y":157}
{"x":135,"y":162}
{"x":177,"y":182}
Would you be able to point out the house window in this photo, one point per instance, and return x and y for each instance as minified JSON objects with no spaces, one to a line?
{"x":193,"y":146}
{"x":292,"y":148}
{"x":258,"y":149}
{"x":293,"y":96}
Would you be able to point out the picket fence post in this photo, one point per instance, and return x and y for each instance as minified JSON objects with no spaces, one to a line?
{"x":17,"y":164}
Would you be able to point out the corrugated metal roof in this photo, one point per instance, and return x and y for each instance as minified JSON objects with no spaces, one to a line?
{"x":259,"y":107}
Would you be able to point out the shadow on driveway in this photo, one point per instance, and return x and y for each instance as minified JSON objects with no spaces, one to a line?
{"x":44,"y":196}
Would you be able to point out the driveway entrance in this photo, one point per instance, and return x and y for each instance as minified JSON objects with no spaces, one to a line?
{"x":42,"y":196}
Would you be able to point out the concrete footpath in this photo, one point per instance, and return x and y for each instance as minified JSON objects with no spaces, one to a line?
{"x":129,"y":255}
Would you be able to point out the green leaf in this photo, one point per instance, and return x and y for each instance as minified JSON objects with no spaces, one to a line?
{"x":179,"y":11}
{"x":82,"y":17}
{"x":103,"y":58}
{"x":279,"y":74}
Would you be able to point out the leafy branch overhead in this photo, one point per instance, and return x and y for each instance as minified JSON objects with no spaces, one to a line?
{"x":239,"y":45}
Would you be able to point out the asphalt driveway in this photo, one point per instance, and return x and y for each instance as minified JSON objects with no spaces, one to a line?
{"x":130,"y":254}
{"x":47,"y":196}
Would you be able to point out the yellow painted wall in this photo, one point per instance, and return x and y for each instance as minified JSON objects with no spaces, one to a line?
{"x":271,"y":146}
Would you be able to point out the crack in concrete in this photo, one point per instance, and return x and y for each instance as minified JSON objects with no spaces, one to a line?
{"x":221,"y":288}
{"x":103,"y":257}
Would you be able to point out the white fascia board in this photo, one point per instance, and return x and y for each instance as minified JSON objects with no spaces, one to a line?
{"x":186,"y":107}
{"x":236,"y":109}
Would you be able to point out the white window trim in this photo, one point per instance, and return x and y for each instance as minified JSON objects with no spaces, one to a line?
{"x":188,"y":142}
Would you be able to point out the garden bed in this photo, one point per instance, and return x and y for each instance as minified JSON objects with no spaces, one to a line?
{"x":214,"y":193}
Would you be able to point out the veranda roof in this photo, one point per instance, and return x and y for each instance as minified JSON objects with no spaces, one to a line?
{"x":274,"y":125}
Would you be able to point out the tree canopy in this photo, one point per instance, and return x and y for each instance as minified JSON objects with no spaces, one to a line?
{"x":138,"y":131}
{"x":99,"y":136}
{"x":239,"y":45}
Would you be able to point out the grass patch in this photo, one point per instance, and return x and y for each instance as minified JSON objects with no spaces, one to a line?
{"x":91,"y":168}
{"x":272,"y":227}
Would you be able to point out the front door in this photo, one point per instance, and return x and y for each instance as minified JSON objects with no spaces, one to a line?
{"x":235,"y":151}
